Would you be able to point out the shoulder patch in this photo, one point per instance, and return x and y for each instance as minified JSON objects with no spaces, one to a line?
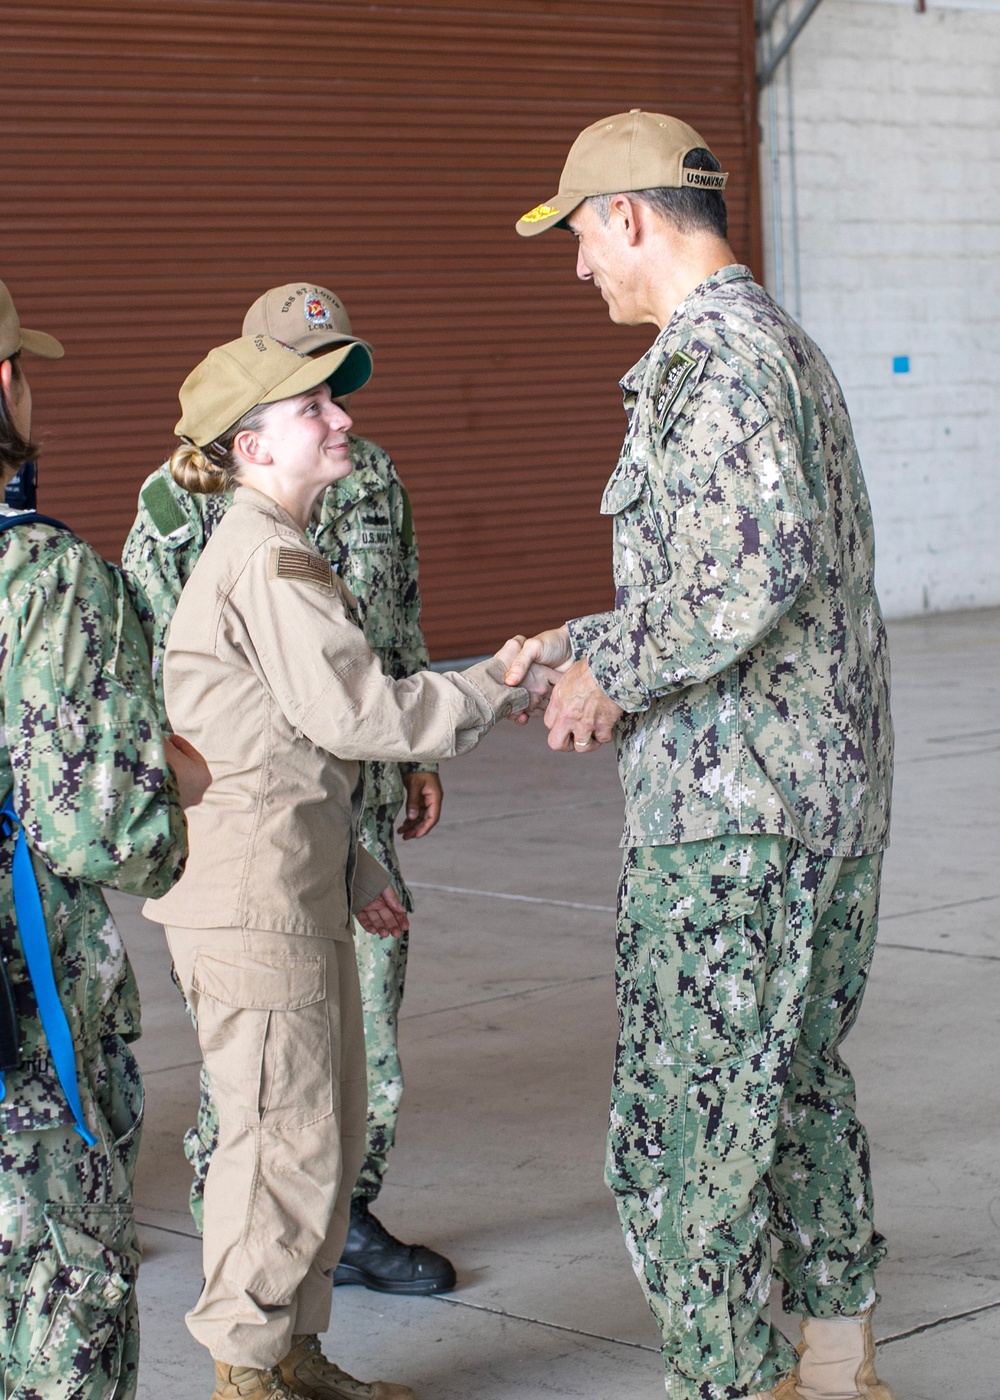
{"x":679,"y":366}
{"x":300,"y":564}
{"x":164,"y":509}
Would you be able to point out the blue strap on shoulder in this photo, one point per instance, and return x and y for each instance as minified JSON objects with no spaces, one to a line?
{"x":38,"y":956}
{"x":29,"y":517}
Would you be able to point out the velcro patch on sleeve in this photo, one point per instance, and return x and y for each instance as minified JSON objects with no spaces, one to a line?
{"x":300,"y":564}
{"x":165,"y":510}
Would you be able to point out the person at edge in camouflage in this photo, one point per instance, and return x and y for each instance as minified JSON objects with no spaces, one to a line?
{"x":88,"y":774}
{"x":744,"y":677}
{"x":364,"y":526}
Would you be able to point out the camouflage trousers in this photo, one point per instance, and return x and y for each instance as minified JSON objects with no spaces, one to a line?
{"x":742,"y":962}
{"x":69,"y":1253}
{"x":382,"y":972}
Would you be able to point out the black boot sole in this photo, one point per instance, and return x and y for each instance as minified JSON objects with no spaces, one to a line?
{"x":410,"y":1288}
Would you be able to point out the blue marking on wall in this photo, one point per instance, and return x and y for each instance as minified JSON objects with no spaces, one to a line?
{"x":900,"y":364}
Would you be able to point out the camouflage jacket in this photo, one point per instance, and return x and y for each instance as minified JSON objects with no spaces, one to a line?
{"x":746,"y":646}
{"x":365,"y":529}
{"x":82,"y":751}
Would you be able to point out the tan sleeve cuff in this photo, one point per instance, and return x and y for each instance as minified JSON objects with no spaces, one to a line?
{"x":504,"y":700}
{"x":370,"y":879}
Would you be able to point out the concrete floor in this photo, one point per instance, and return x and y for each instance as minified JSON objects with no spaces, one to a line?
{"x":508,"y":1033}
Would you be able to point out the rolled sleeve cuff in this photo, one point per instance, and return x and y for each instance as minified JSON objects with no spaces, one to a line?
{"x":600,"y":640}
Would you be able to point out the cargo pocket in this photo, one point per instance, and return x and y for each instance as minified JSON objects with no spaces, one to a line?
{"x":264,"y":1030}
{"x":77,"y":1308}
{"x":697,"y":965}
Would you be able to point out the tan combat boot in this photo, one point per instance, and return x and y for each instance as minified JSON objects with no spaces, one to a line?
{"x":784,"y":1390}
{"x":307,"y":1373}
{"x":837,"y":1360}
{"x":247,"y":1383}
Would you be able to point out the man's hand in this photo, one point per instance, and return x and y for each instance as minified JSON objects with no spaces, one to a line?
{"x":423,"y":805}
{"x":189,"y":769}
{"x":580,"y":717}
{"x":384,"y":916}
{"x":550,"y":648}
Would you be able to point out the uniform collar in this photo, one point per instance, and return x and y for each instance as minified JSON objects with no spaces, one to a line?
{"x":256,"y":500}
{"x":368,"y":478}
{"x":732,"y":272}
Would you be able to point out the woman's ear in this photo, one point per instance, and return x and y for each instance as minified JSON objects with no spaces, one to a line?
{"x":6,"y":378}
{"x":249,"y":446}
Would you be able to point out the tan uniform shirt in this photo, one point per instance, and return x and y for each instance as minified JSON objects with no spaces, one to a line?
{"x":268,"y":674}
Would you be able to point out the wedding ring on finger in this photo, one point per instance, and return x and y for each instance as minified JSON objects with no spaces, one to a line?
{"x":581,"y":744}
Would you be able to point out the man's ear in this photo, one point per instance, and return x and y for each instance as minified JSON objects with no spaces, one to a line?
{"x":628,"y":215}
{"x":6,"y":379}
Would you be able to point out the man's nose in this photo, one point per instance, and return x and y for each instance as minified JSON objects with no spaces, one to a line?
{"x":582,"y":270}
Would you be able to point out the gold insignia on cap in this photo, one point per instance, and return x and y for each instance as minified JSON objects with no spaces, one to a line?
{"x":302,"y":565}
{"x":540,"y":212}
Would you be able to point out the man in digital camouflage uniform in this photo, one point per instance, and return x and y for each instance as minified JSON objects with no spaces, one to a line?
{"x":85,"y":767}
{"x":365,"y":529}
{"x":743,"y":674}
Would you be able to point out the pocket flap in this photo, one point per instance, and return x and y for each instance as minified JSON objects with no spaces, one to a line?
{"x":252,"y":982}
{"x":698,"y":903}
{"x":625,"y":487}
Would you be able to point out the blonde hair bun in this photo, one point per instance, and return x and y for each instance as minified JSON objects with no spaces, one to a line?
{"x":192,"y":471}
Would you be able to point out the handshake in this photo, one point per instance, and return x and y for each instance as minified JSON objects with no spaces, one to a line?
{"x":578,"y":714}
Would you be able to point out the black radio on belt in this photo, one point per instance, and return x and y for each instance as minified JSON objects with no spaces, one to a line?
{"x":10,"y":1050}
{"x":21,"y":492}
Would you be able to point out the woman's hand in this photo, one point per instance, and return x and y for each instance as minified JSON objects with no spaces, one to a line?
{"x":385,"y":916}
{"x":189,"y":769}
{"x":536,"y":664}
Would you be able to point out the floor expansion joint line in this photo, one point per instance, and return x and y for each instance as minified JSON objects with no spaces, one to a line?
{"x":951,"y":753}
{"x":165,"y":1069}
{"x":518,"y":898}
{"x":506,"y":996}
{"x":940,"y":1322}
{"x":458,"y":825}
{"x":938,"y":908}
{"x":168,"y":1230}
{"x":552,"y":1326}
{"x":941,"y":952}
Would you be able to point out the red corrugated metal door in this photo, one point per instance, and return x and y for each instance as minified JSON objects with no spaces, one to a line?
{"x":166,"y":162}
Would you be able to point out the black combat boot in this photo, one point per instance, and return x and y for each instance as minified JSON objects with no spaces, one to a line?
{"x":377,"y":1260}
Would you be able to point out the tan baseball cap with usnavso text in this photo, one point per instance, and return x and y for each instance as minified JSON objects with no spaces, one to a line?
{"x":257,"y":369}
{"x":634,"y":150}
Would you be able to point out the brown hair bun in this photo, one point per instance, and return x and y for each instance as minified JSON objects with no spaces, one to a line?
{"x":193,"y":471}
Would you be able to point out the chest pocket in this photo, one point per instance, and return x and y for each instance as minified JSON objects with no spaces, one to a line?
{"x":640,"y":556}
{"x":711,"y":419}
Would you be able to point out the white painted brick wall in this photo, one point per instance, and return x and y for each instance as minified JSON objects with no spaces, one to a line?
{"x":897,"y":135}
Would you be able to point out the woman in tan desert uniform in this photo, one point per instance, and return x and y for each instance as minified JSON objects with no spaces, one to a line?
{"x":268,"y":674}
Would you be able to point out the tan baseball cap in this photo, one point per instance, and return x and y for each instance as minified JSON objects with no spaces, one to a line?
{"x":256,"y":369}
{"x":630,"y":151}
{"x":302,"y":315}
{"x":14,"y":337}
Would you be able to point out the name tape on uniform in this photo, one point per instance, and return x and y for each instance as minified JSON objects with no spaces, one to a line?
{"x":679,"y":366}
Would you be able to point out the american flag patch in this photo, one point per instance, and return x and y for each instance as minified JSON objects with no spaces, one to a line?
{"x":300,"y":564}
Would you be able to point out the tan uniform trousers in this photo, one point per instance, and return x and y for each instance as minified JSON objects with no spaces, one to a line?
{"x":281,"y":1033}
